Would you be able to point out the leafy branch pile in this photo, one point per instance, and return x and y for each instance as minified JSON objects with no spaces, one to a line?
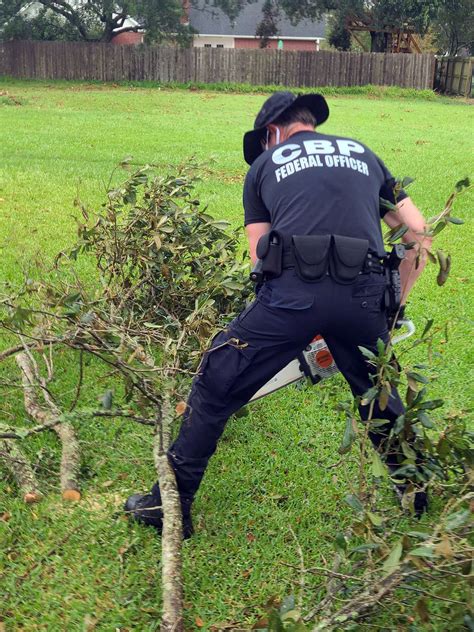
{"x":167,"y":276}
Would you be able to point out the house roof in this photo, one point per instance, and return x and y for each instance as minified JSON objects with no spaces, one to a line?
{"x":209,"y":20}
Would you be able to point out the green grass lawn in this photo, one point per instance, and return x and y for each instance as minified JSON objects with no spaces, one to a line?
{"x":64,"y":567}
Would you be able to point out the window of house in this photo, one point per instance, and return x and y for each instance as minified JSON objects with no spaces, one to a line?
{"x":207,"y":45}
{"x":219,"y":45}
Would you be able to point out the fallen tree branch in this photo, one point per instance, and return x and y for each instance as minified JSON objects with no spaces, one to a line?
{"x":34,"y":346}
{"x":9,"y":432}
{"x":21,"y":470}
{"x":365,"y":600}
{"x":70,"y":464}
{"x":172,"y":535}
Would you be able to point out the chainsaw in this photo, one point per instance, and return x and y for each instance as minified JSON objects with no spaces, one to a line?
{"x":316,"y":363}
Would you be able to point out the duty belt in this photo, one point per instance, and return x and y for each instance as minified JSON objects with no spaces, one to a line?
{"x":372,"y":264}
{"x":314,"y":257}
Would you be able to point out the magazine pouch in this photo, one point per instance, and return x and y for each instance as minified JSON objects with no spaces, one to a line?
{"x":347,"y":259}
{"x":311,"y":256}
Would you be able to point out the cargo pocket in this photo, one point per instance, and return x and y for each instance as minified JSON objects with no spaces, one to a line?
{"x":223,"y":364}
{"x":369,"y":292}
{"x":248,"y":310}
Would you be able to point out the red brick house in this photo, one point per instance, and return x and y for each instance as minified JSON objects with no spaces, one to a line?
{"x":215,"y":30}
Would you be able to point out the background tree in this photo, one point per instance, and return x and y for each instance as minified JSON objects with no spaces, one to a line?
{"x":97,"y":20}
{"x":380,"y":16}
{"x":454,"y":26}
{"x":268,"y":27}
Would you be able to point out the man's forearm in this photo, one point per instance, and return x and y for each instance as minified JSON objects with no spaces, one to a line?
{"x":254,"y":232}
{"x":410,"y":270}
{"x":415,"y":260}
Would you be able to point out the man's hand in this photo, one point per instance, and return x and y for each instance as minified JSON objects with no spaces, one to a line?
{"x":400,"y":316}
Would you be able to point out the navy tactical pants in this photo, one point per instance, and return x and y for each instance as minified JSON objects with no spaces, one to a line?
{"x":279,"y":324}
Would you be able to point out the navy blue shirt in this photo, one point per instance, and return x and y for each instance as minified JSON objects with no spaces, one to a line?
{"x":319,"y":184}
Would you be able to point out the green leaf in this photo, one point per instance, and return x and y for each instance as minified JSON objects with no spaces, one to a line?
{"x":393,"y":559}
{"x":458,"y":519}
{"x":455,"y":220}
{"x":387,"y":205}
{"x":408,"y":451}
{"x":375,"y":519}
{"x":367,"y":353}
{"x":431,"y":405}
{"x":404,"y":471}
{"x":378,"y":468}
{"x":383,"y":398}
{"x":422,"y":551}
{"x":107,"y":399}
{"x":462,"y":184}
{"x":221,"y":224}
{"x":418,"y":377}
{"x":87,"y":318}
{"x":340,"y":542}
{"x":399,"y":424}
{"x":380,"y":346}
{"x":419,"y":534}
{"x":406,"y":181}
{"x":396,"y":233}
{"x":425,"y":420}
{"x":350,"y":435}
{"x":20,"y":317}
{"x":354,"y":502}
{"x":438,"y":228}
{"x":369,"y":395}
{"x":429,"y":324}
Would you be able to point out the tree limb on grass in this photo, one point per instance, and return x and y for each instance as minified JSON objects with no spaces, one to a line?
{"x":361,"y":604}
{"x":172,"y":535}
{"x":70,"y":456}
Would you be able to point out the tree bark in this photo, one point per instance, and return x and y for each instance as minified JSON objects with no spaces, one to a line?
{"x":21,"y":470}
{"x":70,"y":456}
{"x":378,"y":42}
{"x":172,"y":535}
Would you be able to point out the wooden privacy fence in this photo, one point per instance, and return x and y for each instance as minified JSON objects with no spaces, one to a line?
{"x":108,"y":62}
{"x":454,"y":75}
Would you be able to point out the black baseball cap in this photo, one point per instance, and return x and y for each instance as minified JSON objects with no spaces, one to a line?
{"x":272,"y":109}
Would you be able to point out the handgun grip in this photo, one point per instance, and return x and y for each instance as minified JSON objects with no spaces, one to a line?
{"x":257,"y":272}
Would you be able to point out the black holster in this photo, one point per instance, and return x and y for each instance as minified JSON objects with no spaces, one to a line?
{"x":270,"y":253}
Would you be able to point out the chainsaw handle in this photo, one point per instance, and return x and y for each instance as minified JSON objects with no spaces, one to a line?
{"x":410,"y":330}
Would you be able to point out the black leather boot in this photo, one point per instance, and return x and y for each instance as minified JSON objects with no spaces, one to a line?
{"x":146,"y":508}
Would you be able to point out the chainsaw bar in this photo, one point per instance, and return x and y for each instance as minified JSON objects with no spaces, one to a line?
{"x":315,"y":362}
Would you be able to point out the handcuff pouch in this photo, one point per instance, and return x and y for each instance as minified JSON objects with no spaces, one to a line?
{"x":311,"y":256}
{"x":348,"y":255}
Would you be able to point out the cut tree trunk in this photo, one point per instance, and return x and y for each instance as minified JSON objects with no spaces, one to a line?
{"x":21,"y":470}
